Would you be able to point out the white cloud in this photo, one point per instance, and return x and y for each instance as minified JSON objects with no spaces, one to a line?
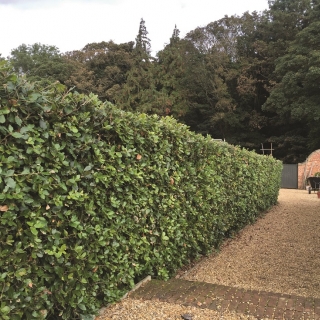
{"x":71,"y":24}
{"x":27,"y":4}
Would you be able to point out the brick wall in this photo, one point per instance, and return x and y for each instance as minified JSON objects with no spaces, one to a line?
{"x":308,"y":168}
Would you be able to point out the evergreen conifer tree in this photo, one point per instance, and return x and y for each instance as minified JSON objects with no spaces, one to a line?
{"x":175,"y":36}
{"x":139,"y":91}
{"x":143,"y":46}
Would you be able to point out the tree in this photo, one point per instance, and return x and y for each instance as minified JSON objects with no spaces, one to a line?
{"x":170,"y":72}
{"x":143,"y":46}
{"x":175,"y":36}
{"x":40,"y":63}
{"x":139,"y":90}
{"x":264,"y":39}
{"x":295,"y":98}
{"x":210,"y":76}
{"x":101,"y":68}
{"x":288,"y":21}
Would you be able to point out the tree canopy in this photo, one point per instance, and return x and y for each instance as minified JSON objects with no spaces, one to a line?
{"x":251,"y":79}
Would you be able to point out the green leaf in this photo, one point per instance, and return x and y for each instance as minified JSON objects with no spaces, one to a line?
{"x":17,"y":120}
{"x":43,"y":124}
{"x":26,"y":171}
{"x":87,"y":168}
{"x":34,"y":97}
{"x":5,"y":310}
{"x":4,"y":111}
{"x":164,"y":237}
{"x":21,"y":272}
{"x":10,"y":183}
{"x":34,"y":231}
{"x":24,"y":130}
{"x":82,"y":306}
{"x":17,"y":135}
{"x":2,"y":118}
{"x":9,"y":173}
{"x":40,"y":224}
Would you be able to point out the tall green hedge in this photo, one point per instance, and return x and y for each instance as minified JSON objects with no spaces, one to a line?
{"x":93,"y":198}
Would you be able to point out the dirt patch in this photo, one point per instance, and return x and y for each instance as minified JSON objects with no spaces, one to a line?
{"x":279,"y":253}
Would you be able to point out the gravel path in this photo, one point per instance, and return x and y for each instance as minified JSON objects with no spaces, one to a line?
{"x":154,"y":310}
{"x":279,"y":253}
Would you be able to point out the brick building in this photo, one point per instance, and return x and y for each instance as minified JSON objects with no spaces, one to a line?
{"x":308,"y":168}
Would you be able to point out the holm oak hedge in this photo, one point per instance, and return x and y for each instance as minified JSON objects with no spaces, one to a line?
{"x":93,"y":199}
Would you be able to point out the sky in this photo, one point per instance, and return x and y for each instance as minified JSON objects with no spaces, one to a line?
{"x":71,"y":24}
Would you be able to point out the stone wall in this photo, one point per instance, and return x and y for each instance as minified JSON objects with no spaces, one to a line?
{"x":308,"y":168}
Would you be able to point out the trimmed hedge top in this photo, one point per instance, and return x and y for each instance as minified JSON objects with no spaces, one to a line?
{"x":93,"y":199}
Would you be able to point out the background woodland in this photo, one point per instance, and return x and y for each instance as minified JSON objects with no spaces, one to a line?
{"x":248,"y":79}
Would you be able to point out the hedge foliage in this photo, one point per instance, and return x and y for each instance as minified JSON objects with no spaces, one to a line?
{"x":93,"y":198}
